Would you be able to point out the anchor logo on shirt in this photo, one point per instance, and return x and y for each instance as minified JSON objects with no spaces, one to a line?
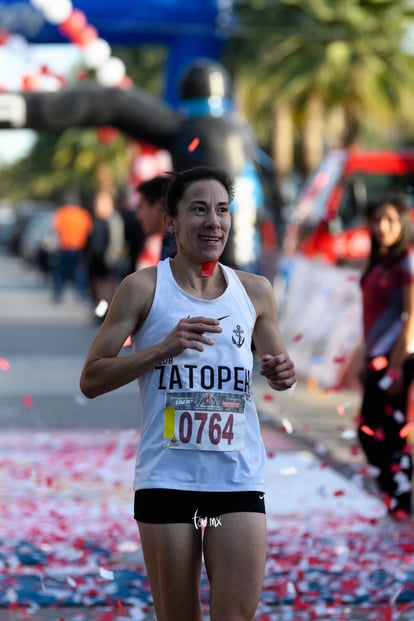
{"x":238,"y":339}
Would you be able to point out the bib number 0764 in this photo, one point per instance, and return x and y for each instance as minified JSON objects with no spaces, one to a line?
{"x":197,"y":427}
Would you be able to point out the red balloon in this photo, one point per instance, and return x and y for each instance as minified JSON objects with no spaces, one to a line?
{"x":30,"y":83}
{"x":4,"y":37}
{"x":84,"y":36}
{"x":74,"y":23}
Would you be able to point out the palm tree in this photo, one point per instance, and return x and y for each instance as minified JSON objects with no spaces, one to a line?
{"x":318,"y":57}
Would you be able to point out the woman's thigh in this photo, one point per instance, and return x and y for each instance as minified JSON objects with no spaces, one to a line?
{"x":235,"y":556}
{"x":172,"y":554}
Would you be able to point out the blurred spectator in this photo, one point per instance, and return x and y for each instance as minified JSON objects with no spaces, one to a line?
{"x":134,"y":237}
{"x":73,"y":225}
{"x":105,"y":252}
{"x":387,"y":369}
{"x":150,"y":214}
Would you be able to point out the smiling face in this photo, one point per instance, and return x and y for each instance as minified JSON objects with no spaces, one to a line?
{"x":203,"y":221}
{"x":386,"y":225}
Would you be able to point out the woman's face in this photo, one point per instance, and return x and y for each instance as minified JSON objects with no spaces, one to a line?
{"x":386,"y":225}
{"x":203,"y":222}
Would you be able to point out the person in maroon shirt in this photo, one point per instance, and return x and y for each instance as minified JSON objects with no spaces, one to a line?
{"x":387,"y":285}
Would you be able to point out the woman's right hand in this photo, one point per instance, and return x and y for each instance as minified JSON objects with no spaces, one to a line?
{"x":189,"y":333}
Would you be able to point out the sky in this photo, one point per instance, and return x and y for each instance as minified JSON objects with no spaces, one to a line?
{"x":17,"y":59}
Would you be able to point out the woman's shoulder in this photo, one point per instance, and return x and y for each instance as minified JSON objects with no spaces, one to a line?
{"x":141,"y":280}
{"x":136,"y":292}
{"x":255,"y":284}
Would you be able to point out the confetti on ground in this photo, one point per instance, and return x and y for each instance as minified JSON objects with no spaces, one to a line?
{"x":4,"y":364}
{"x":68,"y":537}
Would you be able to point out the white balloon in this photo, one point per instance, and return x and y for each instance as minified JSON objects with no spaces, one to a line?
{"x":111,"y":73}
{"x":58,"y":12}
{"x":49,"y":83}
{"x":96,"y":53}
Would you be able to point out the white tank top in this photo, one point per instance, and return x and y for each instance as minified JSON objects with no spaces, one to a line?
{"x":200,"y":429}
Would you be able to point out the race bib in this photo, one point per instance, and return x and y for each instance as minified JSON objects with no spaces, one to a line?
{"x":204,"y":421}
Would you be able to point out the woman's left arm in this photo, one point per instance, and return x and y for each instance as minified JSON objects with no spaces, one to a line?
{"x":276,"y":364}
{"x":401,"y":348}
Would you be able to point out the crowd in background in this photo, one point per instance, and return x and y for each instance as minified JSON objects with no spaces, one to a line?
{"x":93,"y":249}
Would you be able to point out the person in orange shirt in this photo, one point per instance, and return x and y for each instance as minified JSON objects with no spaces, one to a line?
{"x":73,"y":224}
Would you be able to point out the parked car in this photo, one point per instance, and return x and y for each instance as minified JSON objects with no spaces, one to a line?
{"x":7,"y":220}
{"x":38,"y":243}
{"x":328,"y":219}
{"x":24,"y":211}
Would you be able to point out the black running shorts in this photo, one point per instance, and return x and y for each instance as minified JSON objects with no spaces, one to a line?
{"x":169,"y":506}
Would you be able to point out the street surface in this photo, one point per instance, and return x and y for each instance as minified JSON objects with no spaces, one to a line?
{"x":69,"y":548}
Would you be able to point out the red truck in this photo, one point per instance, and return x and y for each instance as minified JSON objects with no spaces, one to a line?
{"x":328,"y":218}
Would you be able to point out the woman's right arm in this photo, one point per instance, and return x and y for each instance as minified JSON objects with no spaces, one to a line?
{"x":104,"y":369}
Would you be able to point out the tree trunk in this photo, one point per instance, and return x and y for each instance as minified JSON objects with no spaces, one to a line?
{"x":283,"y":137}
{"x":313,"y":139}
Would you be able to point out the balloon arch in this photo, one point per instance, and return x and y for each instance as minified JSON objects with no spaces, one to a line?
{"x":188,"y":30}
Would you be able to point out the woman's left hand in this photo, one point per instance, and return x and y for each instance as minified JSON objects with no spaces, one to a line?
{"x":279,"y":371}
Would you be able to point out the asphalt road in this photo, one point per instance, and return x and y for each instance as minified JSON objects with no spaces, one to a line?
{"x":43,"y":345}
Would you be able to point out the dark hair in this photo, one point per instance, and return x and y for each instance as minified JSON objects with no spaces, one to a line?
{"x":399,"y":249}
{"x":154,"y":189}
{"x":181,"y":180}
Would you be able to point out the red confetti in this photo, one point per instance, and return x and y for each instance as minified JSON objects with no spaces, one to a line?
{"x":121,"y":608}
{"x":110,"y":615}
{"x":378,"y":363}
{"x":4,"y":364}
{"x":128,"y":342}
{"x":394,"y":373}
{"x":405,"y":431}
{"x":339,"y":492}
{"x":193,"y":144}
{"x":268,"y":397}
{"x":336,"y":388}
{"x":339,"y":359}
{"x":379,"y":434}
{"x":27,"y":401}
{"x":298,"y":337}
{"x":367,"y":430}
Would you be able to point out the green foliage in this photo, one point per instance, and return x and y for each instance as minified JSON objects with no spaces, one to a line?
{"x":145,"y":66}
{"x":349,"y":52}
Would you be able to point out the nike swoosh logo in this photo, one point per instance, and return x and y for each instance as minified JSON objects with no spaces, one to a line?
{"x":224,"y":317}
{"x":261,"y":496}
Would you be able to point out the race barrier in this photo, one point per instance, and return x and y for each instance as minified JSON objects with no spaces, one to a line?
{"x":320,"y":315}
